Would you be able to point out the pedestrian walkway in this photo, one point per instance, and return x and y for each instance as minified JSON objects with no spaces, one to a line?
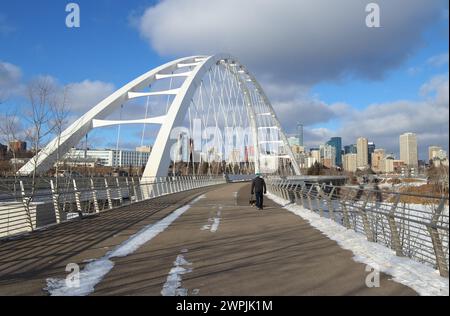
{"x":219,"y":246}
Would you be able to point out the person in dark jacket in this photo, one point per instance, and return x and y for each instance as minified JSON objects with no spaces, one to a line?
{"x":259,"y":189}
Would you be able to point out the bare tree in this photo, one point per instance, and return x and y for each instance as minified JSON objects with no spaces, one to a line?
{"x":59,"y":120}
{"x":39,"y":125}
{"x":10,"y":128}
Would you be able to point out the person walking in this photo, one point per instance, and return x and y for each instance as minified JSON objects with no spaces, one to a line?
{"x":259,"y":189}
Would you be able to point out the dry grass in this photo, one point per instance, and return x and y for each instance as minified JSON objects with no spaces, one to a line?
{"x":426,"y":189}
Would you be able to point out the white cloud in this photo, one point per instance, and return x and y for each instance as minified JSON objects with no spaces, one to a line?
{"x":292,"y":40}
{"x":83,"y":96}
{"x":438,"y":60}
{"x":10,"y":76}
{"x":383,"y":123}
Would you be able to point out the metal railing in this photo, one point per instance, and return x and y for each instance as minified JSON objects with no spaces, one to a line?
{"x":415,"y":226}
{"x":25,"y":207}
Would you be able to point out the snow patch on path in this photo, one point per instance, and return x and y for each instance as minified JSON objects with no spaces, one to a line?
{"x":214,"y":222}
{"x":172,"y":287}
{"x":96,"y":270}
{"x":422,"y":278}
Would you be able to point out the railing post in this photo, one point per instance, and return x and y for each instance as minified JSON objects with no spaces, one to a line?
{"x":319,"y":199}
{"x":166,"y":185}
{"x":133,"y":183}
{"x":108,"y":194}
{"x":176,"y":184}
{"x":308,"y":195}
{"x":284,"y":191}
{"x":441,"y":261}
{"x":296,"y":194}
{"x":160,"y":186}
{"x":363,"y":213}
{"x":77,"y":196}
{"x":119,"y":191}
{"x":127,"y":182}
{"x":346,"y":217}
{"x":141,"y":189}
{"x":94,"y":197}
{"x":55,"y":198}
{"x":395,"y":237}
{"x":302,"y":194}
{"x":156,"y":186}
{"x":26,"y":204}
{"x":330,"y":204}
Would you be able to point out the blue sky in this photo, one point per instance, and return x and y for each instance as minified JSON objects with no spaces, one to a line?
{"x":119,"y":40}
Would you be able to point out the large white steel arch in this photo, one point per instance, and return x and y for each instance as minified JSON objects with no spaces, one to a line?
{"x":159,"y":161}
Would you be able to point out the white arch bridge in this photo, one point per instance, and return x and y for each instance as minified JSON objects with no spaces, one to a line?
{"x":213,"y":100}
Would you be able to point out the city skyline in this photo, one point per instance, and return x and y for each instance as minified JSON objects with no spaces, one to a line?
{"x":356,"y":90}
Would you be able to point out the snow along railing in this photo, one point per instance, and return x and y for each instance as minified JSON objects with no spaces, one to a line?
{"x":58,"y":200}
{"x":415,"y":226}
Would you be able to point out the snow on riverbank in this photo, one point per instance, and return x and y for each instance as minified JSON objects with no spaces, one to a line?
{"x":96,"y":270}
{"x":421,"y":278}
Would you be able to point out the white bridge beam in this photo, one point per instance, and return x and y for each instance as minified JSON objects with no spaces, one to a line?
{"x":159,"y":160}
{"x":151,"y":120}
{"x":135,"y":95}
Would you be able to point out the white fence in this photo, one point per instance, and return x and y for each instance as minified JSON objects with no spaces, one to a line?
{"x":419,"y":230}
{"x":52,"y":201}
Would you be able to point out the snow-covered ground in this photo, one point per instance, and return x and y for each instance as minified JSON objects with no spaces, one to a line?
{"x":422,"y":278}
{"x":96,"y":270}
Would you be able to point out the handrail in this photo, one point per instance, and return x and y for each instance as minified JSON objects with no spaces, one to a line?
{"x":419,"y":231}
{"x":24,"y":212}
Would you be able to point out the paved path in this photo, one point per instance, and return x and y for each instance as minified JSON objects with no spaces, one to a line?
{"x":228,"y":248}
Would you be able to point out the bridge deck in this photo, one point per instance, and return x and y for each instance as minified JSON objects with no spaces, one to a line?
{"x":251,"y":253}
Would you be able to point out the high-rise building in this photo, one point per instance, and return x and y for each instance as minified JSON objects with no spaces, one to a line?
{"x":350,"y":149}
{"x":300,"y":134}
{"x":432,"y":152}
{"x":3,"y":151}
{"x":336,"y":142}
{"x":362,"y":152}
{"x":17,"y":146}
{"x":315,"y":154}
{"x":349,"y":162}
{"x":370,"y":150}
{"x":377,"y":160}
{"x":408,"y":149}
{"x":387,"y":164}
{"x":328,"y":155}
